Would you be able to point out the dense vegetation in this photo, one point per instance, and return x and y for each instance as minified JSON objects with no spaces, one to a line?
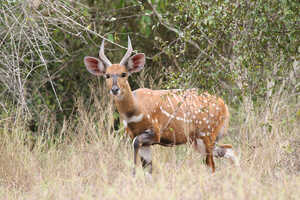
{"x":245,"y":51}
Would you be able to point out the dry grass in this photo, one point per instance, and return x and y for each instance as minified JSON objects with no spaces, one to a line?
{"x":91,"y":163}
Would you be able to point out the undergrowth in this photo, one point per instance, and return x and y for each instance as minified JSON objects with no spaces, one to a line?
{"x":92,"y":161}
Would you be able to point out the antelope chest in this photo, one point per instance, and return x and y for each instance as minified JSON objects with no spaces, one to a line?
{"x":136,"y":124}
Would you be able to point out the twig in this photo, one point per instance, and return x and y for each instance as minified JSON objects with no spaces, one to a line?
{"x":171,"y":28}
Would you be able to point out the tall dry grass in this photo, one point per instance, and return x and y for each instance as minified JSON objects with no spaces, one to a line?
{"x":91,"y":161}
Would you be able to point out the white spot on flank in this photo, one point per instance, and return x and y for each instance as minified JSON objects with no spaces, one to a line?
{"x":217,"y":108}
{"x":170,"y":102}
{"x":176,"y":98}
{"x":166,"y":113}
{"x":202,"y":134}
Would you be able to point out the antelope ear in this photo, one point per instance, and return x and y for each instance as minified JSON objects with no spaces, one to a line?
{"x":136,"y":63}
{"x":94,"y":66}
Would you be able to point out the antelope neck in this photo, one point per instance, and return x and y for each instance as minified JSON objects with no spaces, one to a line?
{"x":127,"y":105}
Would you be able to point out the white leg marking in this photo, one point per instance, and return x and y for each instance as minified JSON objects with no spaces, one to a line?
{"x":145,"y":153}
{"x":201,"y":147}
{"x":231,"y":155}
{"x":133,"y":142}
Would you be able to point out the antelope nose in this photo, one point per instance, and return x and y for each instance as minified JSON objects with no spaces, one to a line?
{"x":115,"y":89}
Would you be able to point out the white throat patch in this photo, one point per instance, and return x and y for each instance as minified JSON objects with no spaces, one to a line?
{"x":134,"y":119}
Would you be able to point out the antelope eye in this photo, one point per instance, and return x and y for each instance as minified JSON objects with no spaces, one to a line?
{"x":124,"y":74}
{"x":107,"y":76}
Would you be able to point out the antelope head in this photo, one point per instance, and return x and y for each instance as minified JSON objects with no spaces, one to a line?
{"x":116,"y":74}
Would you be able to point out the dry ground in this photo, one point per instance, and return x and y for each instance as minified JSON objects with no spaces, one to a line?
{"x":91,"y":163}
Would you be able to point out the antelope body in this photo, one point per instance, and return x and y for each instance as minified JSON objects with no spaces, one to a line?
{"x":165,"y":117}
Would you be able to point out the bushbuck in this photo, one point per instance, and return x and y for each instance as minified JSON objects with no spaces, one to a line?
{"x":164,"y":117}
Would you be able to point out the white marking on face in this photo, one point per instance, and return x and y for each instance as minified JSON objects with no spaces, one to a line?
{"x":117,"y":96}
{"x":217,"y":108}
{"x":148,"y":116}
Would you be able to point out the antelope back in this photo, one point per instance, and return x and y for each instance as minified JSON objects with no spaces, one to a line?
{"x":183,"y":114}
